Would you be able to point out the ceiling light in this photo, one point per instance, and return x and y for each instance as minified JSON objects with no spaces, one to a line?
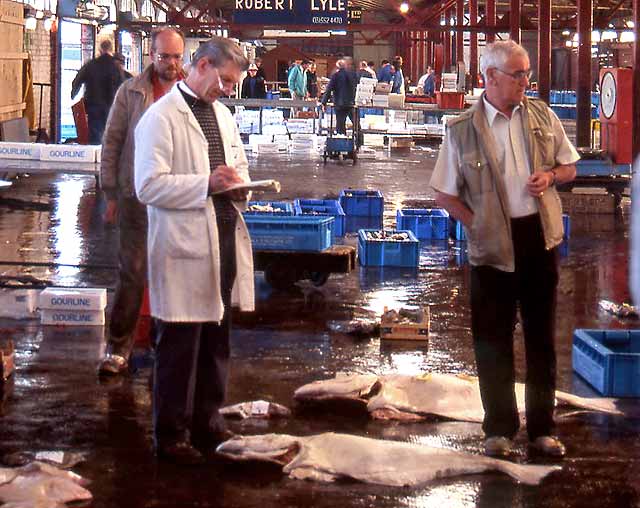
{"x":30,"y":23}
{"x":48,"y":23}
{"x":404,"y":7}
{"x":566,"y":32}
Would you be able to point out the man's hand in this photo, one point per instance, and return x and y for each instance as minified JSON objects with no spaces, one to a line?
{"x":111,"y":213}
{"x":222,"y":178}
{"x":539,"y":182}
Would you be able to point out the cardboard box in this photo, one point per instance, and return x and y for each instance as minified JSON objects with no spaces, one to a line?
{"x":18,"y":303}
{"x":77,"y":299}
{"x":27,"y":151}
{"x":68,"y":153}
{"x":72,"y":317}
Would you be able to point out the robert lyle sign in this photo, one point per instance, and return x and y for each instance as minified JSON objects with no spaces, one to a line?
{"x":291,"y":12}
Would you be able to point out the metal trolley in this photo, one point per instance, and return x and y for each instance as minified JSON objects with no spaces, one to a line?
{"x":343,"y":147}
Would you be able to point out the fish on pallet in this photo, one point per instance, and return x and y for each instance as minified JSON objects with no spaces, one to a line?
{"x":41,"y":485}
{"x":330,"y":456}
{"x":450,"y":396}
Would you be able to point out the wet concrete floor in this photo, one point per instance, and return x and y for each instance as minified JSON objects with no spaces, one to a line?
{"x":55,"y":401}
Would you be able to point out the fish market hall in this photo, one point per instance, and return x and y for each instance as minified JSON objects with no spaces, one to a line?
{"x":287,"y":253}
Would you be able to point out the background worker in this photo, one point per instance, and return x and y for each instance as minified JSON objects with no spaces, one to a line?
{"x":116,"y":178}
{"x":101,"y":78}
{"x":497,"y":173}
{"x":188,"y":154}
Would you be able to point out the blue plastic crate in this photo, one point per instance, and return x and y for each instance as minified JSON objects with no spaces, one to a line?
{"x":388,"y":252}
{"x":425,"y":223}
{"x":457,"y":232}
{"x":302,"y":233}
{"x":322,"y":207}
{"x":282,"y":208}
{"x":609,"y":360}
{"x":354,"y":223}
{"x":362,"y":202}
{"x":566,"y":223}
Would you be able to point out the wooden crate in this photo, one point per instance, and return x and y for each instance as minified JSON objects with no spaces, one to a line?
{"x":573,"y":203}
{"x":11,"y":59}
{"x":392,"y":330}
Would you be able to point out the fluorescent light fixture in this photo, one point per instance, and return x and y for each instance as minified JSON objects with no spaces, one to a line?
{"x":284,"y":33}
{"x":629,"y":23}
{"x":338,"y":32}
{"x":609,"y":35}
{"x":566,"y":32}
{"x":404,"y":7}
{"x":595,"y":36}
{"x":30,"y":23}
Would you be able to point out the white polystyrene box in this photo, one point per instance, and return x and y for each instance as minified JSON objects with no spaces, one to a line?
{"x":68,"y":153}
{"x":72,"y":317}
{"x":27,"y":151}
{"x":18,"y":303}
{"x":76,"y":299}
{"x":98,"y":153}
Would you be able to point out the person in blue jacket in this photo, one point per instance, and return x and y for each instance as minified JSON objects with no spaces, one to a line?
{"x":342,"y":87}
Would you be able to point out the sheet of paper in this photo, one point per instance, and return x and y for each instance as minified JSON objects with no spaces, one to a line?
{"x":257,"y":185}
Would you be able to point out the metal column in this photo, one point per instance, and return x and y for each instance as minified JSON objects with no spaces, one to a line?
{"x":583,"y":92}
{"x":514,"y":21}
{"x":446,"y":40}
{"x":544,"y":49}
{"x":635,"y":122}
{"x":473,"y":43}
{"x":459,"y":33}
{"x":490,"y":17}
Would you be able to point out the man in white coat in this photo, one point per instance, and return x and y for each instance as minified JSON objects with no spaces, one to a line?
{"x":188,"y":155}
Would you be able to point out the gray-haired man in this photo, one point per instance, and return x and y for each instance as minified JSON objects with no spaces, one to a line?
{"x":496,"y":173}
{"x":188,"y":153}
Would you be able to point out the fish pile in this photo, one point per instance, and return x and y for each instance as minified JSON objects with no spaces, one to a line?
{"x":417,"y":398}
{"x":256,"y":409}
{"x":330,"y":456}
{"x":40,"y":485}
{"x":356,"y":327}
{"x":384,"y":235}
{"x":623,"y":310}
{"x":402,"y":316}
{"x":267,"y":208}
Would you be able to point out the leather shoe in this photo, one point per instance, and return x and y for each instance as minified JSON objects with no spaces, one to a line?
{"x":180,"y":452}
{"x":498,"y":446}
{"x":116,"y":359}
{"x":550,"y":446}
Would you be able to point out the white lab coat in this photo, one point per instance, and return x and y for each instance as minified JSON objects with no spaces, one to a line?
{"x":172,"y":178}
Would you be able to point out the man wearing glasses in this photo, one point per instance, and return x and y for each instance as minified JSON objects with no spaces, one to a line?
{"x":188,"y":156}
{"x":116,"y":178}
{"x":496,"y":173}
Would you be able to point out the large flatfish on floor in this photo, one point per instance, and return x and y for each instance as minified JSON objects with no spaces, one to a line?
{"x":329,"y":457}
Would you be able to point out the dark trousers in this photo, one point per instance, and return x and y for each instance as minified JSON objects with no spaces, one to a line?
{"x":132,"y":271}
{"x":342,"y":112}
{"x":191,"y":366}
{"x":97,"y":119}
{"x":495,"y":296}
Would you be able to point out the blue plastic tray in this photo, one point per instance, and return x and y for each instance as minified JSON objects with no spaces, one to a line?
{"x":362,"y":202}
{"x":425,"y":223}
{"x":609,"y":360}
{"x":322,"y":207}
{"x":302,"y":233}
{"x":387,"y":252}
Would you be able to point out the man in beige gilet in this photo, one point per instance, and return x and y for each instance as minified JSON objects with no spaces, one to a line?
{"x":497,"y":173}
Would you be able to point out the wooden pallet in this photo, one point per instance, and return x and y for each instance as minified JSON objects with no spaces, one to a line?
{"x":391,"y":330}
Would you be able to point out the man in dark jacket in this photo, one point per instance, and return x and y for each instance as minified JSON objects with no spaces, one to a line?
{"x":101,"y":78}
{"x":343,"y":88}
{"x":253,"y":86}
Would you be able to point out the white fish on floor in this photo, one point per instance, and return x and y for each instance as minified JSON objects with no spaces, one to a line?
{"x":401,"y":397}
{"x":256,"y":409}
{"x":330,"y":456}
{"x":39,"y":485}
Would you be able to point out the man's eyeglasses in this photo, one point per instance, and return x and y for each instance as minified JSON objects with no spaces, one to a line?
{"x":165,"y":57}
{"x":518,"y":75}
